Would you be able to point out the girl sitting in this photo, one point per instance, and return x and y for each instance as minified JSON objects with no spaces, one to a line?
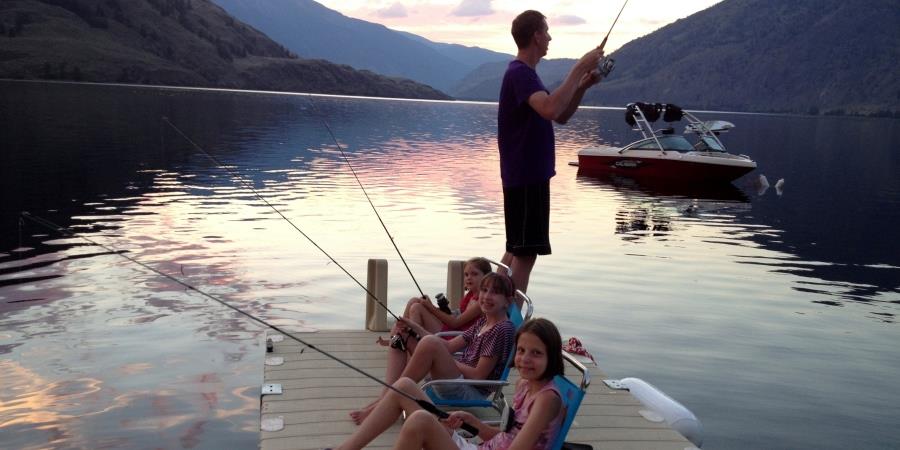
{"x":486,"y":346}
{"x":537,"y":405}
{"x":433,"y":319}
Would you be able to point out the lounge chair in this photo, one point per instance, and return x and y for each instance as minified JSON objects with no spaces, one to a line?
{"x":495,"y":398}
{"x":571,"y":397}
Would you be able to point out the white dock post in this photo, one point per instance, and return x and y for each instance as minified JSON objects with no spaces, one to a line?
{"x":455,"y":286}
{"x":376,"y":283}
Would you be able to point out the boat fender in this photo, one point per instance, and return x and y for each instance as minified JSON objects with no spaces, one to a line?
{"x":676,"y":415}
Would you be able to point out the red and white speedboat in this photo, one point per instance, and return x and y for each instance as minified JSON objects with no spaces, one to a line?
{"x":664,"y":154}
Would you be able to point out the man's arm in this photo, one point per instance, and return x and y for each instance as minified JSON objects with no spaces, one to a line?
{"x":590,"y":79}
{"x":556,"y":105}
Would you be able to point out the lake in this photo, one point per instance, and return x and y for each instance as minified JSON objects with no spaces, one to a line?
{"x":772,"y":315}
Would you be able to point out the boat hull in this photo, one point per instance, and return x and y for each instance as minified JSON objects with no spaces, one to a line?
{"x":703,"y":167}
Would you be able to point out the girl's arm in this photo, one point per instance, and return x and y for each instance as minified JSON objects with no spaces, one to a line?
{"x":456,"y":344}
{"x":472,"y":312}
{"x":544,"y":409}
{"x":412,"y":325}
{"x":481,"y":371}
{"x":456,"y":419}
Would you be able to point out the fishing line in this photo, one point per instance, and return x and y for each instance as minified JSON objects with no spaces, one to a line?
{"x":67,"y":232}
{"x":249,"y":186}
{"x":347,"y":160}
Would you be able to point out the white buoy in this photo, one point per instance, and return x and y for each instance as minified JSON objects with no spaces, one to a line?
{"x":779,"y":186}
{"x":763,"y":185}
{"x":665,"y":409}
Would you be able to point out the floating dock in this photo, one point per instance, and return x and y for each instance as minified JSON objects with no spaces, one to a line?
{"x":307,"y":397}
{"x":317,"y":394}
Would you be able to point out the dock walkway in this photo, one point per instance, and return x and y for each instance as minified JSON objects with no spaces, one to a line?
{"x":318,"y":393}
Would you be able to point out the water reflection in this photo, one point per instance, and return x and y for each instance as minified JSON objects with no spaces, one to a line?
{"x":694,"y":287}
{"x":653,"y":208}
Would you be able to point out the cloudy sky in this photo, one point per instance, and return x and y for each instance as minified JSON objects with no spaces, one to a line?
{"x":576,"y":26}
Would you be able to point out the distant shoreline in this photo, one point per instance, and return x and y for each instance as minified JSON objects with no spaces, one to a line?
{"x":418,"y":100}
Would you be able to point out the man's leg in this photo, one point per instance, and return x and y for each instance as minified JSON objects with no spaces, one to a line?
{"x":521,"y":268}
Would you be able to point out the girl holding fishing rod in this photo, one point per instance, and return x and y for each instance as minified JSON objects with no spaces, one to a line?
{"x":537,"y":405}
{"x":485,"y":347}
{"x":421,"y":311}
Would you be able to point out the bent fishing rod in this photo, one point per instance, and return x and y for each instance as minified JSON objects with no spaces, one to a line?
{"x":250,"y":187}
{"x":424,"y":404}
{"x":347,"y":160}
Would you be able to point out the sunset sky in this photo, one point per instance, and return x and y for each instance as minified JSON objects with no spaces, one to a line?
{"x":576,"y":26}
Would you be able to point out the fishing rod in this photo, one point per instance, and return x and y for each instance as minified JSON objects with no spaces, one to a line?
{"x":424,"y":404}
{"x":603,"y":44}
{"x":606,"y":64}
{"x":347,"y":160}
{"x":249,"y":186}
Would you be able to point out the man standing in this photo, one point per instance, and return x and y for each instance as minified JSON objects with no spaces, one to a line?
{"x":526,"y":140}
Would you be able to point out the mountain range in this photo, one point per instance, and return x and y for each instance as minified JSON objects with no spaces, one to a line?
{"x":172,"y":42}
{"x":803,"y":56}
{"x":311,"y":30}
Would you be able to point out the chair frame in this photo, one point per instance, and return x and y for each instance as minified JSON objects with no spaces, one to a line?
{"x":572,"y":395}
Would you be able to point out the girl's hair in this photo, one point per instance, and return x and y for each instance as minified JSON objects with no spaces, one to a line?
{"x":499,"y":282}
{"x":546,"y":331}
{"x":480,"y":264}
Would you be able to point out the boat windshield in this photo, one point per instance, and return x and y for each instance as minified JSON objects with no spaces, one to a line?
{"x":669,"y":143}
{"x":708,"y":144}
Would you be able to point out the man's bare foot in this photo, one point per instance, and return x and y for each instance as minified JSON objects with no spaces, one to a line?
{"x":360,"y":415}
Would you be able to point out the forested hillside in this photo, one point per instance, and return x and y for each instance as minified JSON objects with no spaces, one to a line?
{"x":171,"y":42}
{"x":803,"y":56}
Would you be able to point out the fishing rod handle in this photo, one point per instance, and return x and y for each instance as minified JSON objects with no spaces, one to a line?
{"x":430,"y":407}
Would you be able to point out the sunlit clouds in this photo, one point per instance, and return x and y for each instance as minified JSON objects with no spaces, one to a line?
{"x":472,"y":8}
{"x":576,"y":26}
{"x":395,"y":11}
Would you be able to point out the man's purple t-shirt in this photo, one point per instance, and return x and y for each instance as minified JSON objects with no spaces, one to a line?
{"x":527,"y":149}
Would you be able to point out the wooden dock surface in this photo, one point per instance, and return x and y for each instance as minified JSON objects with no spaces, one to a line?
{"x":318,"y":393}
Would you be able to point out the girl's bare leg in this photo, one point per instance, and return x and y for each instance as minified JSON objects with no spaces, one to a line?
{"x":396,"y":363}
{"x":406,"y":313}
{"x":385,"y":414}
{"x":422,"y":430}
{"x":432,"y":357}
{"x":422,"y":316}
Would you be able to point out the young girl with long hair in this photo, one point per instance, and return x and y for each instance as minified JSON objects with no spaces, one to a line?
{"x":485,"y":348}
{"x":537,"y":405}
{"x":424,"y":313}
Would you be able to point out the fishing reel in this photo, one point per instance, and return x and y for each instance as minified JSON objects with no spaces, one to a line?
{"x":605,"y":66}
{"x":443,"y":303}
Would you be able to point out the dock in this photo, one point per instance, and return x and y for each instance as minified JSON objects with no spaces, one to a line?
{"x":317,"y":394}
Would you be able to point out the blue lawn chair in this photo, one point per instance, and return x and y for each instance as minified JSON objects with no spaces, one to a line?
{"x":495,"y":398}
{"x":571,"y":397}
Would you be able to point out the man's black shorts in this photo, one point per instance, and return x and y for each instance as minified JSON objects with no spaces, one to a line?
{"x":527,"y":213}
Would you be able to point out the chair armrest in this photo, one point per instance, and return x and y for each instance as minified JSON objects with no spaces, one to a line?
{"x":482,"y":383}
{"x":449,"y":333}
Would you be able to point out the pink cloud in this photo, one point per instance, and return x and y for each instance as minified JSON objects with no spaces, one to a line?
{"x":568,"y":19}
{"x":473,"y":8}
{"x":394,"y":11}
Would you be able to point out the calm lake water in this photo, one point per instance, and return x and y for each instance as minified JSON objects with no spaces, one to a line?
{"x":772,"y":317}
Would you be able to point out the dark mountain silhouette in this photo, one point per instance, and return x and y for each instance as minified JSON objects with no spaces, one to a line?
{"x":313,"y":31}
{"x":803,"y":56}
{"x":172,"y":42}
{"x":483,"y":83}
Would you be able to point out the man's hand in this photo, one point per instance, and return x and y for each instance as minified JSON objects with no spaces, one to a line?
{"x":589,"y":79}
{"x":589,"y":61}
